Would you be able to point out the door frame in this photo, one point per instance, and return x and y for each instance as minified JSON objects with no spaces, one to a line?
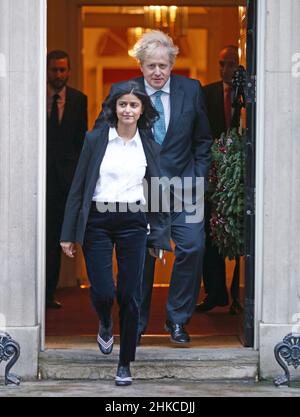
{"x":253,"y":314}
{"x":247,"y":327}
{"x":259,"y":166}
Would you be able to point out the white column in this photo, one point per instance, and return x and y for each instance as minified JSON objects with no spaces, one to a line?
{"x":22,"y":166}
{"x":278,"y":198}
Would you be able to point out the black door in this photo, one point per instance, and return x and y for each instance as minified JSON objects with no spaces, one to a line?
{"x":248,"y":319}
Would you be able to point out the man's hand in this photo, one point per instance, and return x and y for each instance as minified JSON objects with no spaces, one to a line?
{"x":68,"y":248}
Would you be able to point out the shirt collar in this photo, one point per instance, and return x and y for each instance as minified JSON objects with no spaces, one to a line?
{"x":113,"y":134}
{"x":150,"y":90}
{"x":51,"y":92}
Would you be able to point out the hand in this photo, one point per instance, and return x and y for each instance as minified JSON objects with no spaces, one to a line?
{"x":68,"y":248}
{"x":157,"y":253}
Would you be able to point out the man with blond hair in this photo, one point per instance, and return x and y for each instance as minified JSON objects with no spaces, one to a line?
{"x":183,"y":132}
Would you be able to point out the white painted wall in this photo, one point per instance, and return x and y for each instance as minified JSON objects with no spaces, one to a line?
{"x":278,"y":198}
{"x":22,"y":166}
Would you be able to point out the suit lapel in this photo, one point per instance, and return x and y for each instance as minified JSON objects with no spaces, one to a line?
{"x":176,"y":103}
{"x":98,"y":153}
{"x":149,"y":151}
{"x":152,"y":170}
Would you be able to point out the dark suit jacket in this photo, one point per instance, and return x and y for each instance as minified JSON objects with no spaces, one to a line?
{"x":214,"y":95}
{"x":64,"y":145}
{"x":185,"y":151}
{"x":84,"y":183}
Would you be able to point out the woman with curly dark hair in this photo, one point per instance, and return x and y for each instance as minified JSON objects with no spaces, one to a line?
{"x":106,"y":209}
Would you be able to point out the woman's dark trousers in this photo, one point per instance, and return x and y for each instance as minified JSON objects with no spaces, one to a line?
{"x":126,"y":231}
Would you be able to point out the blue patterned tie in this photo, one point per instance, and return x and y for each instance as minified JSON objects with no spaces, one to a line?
{"x":160,"y":125}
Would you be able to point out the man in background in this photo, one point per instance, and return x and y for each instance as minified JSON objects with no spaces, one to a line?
{"x":219,"y":97}
{"x":66,"y":127}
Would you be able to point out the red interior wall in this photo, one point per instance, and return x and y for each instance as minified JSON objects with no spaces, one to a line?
{"x":114,"y":75}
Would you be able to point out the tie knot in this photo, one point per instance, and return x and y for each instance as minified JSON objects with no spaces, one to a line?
{"x":158,"y":93}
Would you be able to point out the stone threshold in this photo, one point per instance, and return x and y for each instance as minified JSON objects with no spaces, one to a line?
{"x":154,"y":361}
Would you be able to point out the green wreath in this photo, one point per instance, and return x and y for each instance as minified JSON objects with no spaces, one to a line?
{"x":227,"y":197}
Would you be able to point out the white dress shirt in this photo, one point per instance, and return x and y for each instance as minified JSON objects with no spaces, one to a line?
{"x":165,"y":98}
{"x":122,"y":170}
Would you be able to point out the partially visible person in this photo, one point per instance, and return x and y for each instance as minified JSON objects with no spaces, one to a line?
{"x":219,"y":98}
{"x":183,"y":132}
{"x":66,"y":128}
{"x":104,"y":210}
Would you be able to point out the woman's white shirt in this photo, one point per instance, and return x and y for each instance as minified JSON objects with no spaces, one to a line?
{"x":122,"y":170}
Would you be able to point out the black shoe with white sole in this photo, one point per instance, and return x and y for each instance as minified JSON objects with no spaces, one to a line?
{"x":123,"y":376}
{"x":106,"y":346}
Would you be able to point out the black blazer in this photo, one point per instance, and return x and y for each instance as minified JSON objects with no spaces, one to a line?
{"x":65,"y":143}
{"x":84,"y":183}
{"x":214,"y":95}
{"x":185,"y":151}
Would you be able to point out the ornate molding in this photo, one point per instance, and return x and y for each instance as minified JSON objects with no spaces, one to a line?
{"x":287,"y":351}
{"x":9,"y":352}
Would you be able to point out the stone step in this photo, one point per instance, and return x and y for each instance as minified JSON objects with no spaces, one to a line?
{"x":152,"y":362}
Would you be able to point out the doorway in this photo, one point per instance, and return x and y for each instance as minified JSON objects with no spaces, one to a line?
{"x":207,"y":31}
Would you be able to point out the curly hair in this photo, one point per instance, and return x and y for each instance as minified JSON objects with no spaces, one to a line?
{"x":146,"y":120}
{"x":150,"y":41}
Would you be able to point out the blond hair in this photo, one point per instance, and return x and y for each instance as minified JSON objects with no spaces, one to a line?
{"x":148,"y":43}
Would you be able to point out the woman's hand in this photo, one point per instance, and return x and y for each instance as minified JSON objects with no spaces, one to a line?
{"x":68,"y":248}
{"x":157,"y":253}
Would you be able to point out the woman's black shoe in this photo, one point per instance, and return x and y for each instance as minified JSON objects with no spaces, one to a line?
{"x":105,"y":339}
{"x":123,"y":376}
